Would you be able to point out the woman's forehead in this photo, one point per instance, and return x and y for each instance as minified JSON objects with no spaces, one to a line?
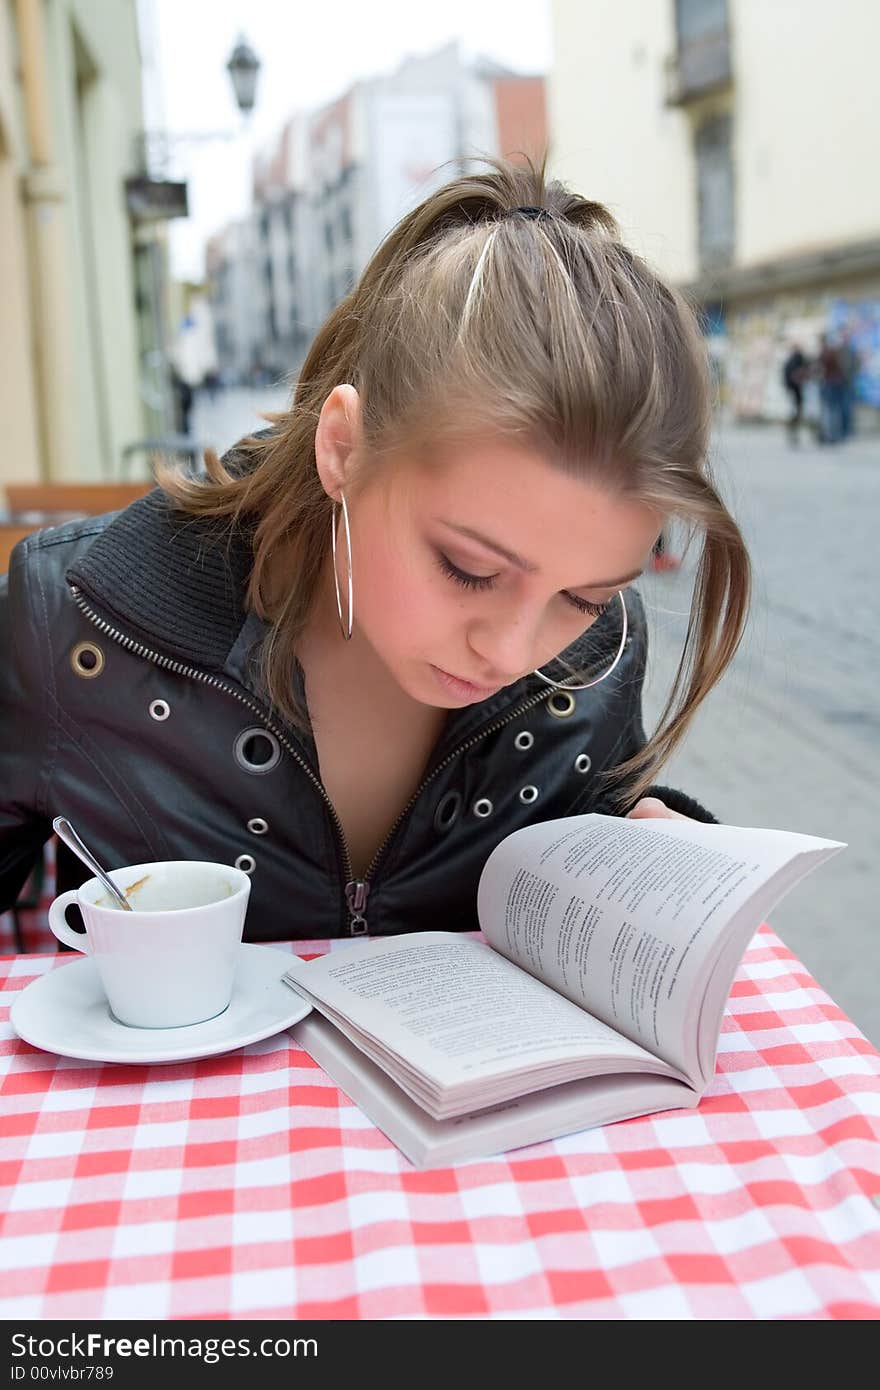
{"x":502,"y":476}
{"x":541,"y":515}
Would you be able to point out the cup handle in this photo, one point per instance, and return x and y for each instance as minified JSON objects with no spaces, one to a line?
{"x":78,"y":940}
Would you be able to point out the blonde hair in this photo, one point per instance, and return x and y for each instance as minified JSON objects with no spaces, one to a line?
{"x":547,"y":332}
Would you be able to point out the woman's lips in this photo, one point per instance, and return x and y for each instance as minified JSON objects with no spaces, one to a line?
{"x":465,"y":690}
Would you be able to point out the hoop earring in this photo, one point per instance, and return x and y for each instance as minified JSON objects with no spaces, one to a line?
{"x":607,"y":673}
{"x":346,"y":635}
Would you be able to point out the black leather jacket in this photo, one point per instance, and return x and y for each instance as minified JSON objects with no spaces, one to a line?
{"x":128,"y":704}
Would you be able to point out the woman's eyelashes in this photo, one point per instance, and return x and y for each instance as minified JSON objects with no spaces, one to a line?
{"x":476,"y":581}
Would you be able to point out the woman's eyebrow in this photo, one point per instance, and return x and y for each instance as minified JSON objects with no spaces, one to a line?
{"x":530,"y":568}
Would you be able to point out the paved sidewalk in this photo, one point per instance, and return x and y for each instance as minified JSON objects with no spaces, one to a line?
{"x":234,"y":412}
{"x":790,"y":737}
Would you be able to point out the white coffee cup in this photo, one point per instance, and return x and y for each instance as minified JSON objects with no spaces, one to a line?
{"x":171,"y":961}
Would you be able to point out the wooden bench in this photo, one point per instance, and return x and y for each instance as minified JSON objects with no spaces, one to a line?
{"x":52,"y":501}
{"x":31,"y":506}
{"x":10,"y":536}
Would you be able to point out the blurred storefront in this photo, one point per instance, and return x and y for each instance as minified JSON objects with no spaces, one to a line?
{"x":733,"y":142}
{"x":79,"y":296}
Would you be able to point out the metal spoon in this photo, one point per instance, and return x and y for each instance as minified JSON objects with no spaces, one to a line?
{"x":65,"y":831}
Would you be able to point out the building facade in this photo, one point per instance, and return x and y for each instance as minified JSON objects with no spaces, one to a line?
{"x":282,"y":283}
{"x":230,"y":280}
{"x":736,"y":145}
{"x":70,"y":113}
{"x":338,"y":180}
{"x":390,"y":141}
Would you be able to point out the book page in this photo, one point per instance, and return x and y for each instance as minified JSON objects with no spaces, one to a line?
{"x":527,"y":1119}
{"x":454,"y":1011}
{"x":627,"y":917}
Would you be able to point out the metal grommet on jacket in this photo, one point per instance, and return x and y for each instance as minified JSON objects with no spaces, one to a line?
{"x":87,"y":660}
{"x":257,"y":750}
{"x":159,"y":709}
{"x":447,"y":811}
{"x":524,"y":740}
{"x":561,"y":704}
{"x":258,"y":826}
{"x":528,"y":794}
{"x":583,"y":762}
{"x":246,"y":862}
{"x":483,"y":807}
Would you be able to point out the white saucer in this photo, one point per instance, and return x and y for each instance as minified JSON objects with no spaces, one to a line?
{"x":66,"y":1012}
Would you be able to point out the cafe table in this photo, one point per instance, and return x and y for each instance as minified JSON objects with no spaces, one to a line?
{"x":247,"y":1186}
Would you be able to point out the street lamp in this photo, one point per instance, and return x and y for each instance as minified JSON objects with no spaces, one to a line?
{"x":243,"y":67}
{"x":155,"y":149}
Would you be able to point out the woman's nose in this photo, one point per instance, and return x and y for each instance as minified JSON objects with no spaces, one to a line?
{"x":505,"y":650}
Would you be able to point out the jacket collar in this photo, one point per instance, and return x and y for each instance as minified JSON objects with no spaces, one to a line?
{"x":175,"y":581}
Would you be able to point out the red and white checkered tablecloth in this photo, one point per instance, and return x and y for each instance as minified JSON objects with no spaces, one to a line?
{"x":248,"y":1186}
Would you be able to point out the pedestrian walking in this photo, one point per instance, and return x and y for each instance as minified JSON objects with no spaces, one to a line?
{"x":831,"y":387}
{"x":183,"y":401}
{"x":795,"y":371}
{"x":661,"y":559}
{"x":850,"y":364}
{"x":213,"y":384}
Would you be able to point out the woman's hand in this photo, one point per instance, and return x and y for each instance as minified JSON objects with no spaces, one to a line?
{"x":652,"y":808}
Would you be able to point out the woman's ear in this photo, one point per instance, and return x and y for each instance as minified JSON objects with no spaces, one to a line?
{"x":338,"y":439}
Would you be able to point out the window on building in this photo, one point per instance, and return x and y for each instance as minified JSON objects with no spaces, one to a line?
{"x":715,"y":192}
{"x":697,"y":19}
{"x":703,"y":47}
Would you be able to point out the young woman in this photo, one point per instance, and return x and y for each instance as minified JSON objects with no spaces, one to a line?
{"x":398,"y":625}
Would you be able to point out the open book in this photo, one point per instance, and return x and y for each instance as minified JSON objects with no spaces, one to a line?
{"x":611,"y":948}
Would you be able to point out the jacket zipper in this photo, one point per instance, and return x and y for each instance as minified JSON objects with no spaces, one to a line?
{"x":357,"y":890}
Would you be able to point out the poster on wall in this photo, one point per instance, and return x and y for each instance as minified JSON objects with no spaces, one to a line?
{"x":758,"y":351}
{"x":859,"y":321}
